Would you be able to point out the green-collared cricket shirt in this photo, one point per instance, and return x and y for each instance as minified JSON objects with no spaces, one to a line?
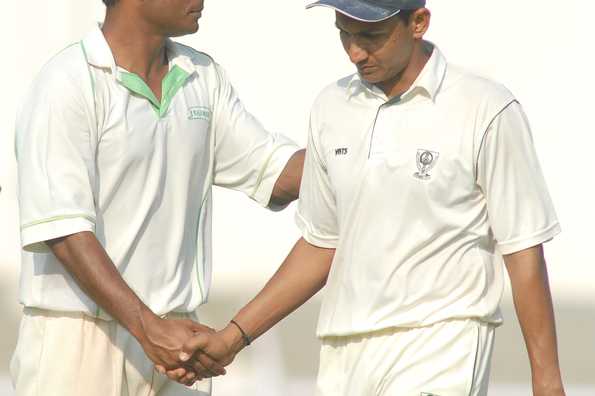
{"x":98,"y":152}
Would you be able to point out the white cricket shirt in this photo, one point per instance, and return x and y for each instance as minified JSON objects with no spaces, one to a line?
{"x":419,"y":195}
{"x":98,"y":152}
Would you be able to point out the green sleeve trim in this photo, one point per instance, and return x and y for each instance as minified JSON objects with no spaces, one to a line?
{"x":57,"y":218}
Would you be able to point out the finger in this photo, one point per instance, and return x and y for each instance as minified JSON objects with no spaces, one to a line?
{"x":214,"y":367}
{"x":188,"y":379}
{"x":195,"y":380}
{"x":198,"y":328}
{"x":176,"y":374}
{"x":198,"y":378}
{"x":201,"y":371}
{"x":167,"y":359}
{"x":194,"y":343}
{"x":160,"y":369}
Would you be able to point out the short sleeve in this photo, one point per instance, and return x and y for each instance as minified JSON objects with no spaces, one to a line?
{"x":247,"y":157}
{"x":316,"y":215}
{"x":55,"y":158}
{"x":520,"y":210}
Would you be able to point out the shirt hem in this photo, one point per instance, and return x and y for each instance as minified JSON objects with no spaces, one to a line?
{"x":311,"y":237}
{"x":407,"y":326}
{"x":34,"y":234}
{"x":265,"y":184}
{"x":518,"y":244}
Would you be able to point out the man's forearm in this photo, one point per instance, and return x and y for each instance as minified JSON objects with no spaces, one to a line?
{"x":302,"y":274}
{"x":287,"y":186}
{"x":533,"y":303}
{"x":86,"y":260}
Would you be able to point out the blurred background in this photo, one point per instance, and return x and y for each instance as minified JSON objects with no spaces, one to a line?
{"x":279,"y":56}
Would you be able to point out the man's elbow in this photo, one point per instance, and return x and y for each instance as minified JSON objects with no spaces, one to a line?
{"x":287,"y":186}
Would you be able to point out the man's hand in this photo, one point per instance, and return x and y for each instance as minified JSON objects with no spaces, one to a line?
{"x":163,"y":339}
{"x":85,"y":259}
{"x":301,"y":275}
{"x":222,"y":346}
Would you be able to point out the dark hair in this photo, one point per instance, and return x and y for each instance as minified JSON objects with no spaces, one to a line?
{"x":403,"y":15}
{"x":109,"y":3}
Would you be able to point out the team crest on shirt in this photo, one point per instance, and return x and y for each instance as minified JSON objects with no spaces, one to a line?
{"x":426,"y":160}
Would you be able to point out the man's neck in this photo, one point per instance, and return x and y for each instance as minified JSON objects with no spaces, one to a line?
{"x":398,"y":85}
{"x":135,"y":48}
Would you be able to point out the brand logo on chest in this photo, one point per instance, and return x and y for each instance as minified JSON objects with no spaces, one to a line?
{"x":199,"y":113}
{"x":426,"y":160}
{"x":341,"y":151}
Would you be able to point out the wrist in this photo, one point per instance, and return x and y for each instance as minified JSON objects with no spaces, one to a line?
{"x":548,"y":383}
{"x":233,"y":338}
{"x":548,"y":390}
{"x":144,"y":322}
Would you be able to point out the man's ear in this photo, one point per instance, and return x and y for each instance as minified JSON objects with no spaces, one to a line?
{"x":420,"y":22}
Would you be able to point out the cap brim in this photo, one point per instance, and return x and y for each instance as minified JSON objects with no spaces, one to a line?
{"x":360,"y":11}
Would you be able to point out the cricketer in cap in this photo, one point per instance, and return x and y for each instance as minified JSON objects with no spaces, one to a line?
{"x":409,"y":201}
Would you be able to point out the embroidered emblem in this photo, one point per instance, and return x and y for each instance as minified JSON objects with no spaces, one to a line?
{"x":199,"y":113}
{"x":426,"y":160}
{"x":341,"y":151}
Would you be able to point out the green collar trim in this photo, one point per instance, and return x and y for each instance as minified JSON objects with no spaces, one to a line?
{"x":170,"y":85}
{"x":172,"y":82}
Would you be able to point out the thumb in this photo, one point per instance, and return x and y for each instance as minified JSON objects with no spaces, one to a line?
{"x":198,"y":327}
{"x":197,"y":342}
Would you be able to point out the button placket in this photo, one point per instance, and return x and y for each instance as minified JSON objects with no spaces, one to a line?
{"x":381,"y":127}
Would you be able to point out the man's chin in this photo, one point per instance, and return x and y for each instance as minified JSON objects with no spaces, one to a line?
{"x":370,"y":79}
{"x":183,"y":31}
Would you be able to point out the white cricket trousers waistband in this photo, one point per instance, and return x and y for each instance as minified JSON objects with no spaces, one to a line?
{"x":450,"y":358}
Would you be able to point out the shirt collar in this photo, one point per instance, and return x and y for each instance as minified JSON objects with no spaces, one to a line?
{"x":428,"y":81}
{"x":97,"y":50}
{"x":99,"y":53}
{"x":178,"y":58}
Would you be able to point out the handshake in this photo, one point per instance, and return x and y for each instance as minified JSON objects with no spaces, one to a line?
{"x":186,"y":351}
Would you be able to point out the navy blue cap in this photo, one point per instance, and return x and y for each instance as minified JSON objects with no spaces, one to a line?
{"x":369,"y":10}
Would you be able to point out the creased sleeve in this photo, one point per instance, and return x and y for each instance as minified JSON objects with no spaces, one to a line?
{"x":316,"y":215}
{"x":520,"y":209}
{"x":248,"y":158}
{"x":56,"y":162}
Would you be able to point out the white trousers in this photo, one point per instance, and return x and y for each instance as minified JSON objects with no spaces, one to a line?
{"x":71,"y":354}
{"x":450,"y":358}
